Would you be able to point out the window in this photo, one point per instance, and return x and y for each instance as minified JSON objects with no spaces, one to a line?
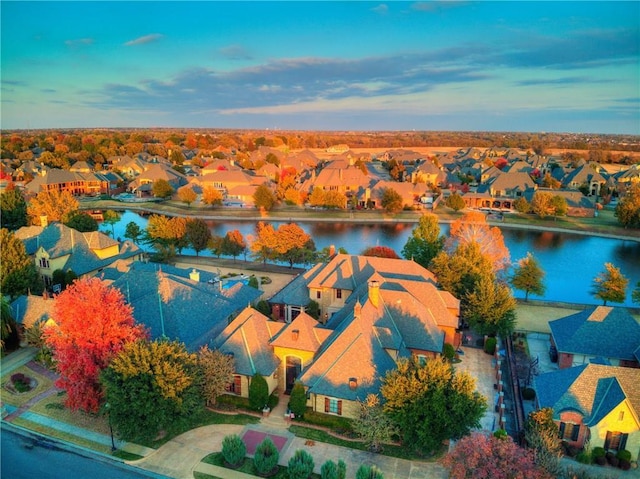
{"x":333,"y":406}
{"x":44,"y":263}
{"x":339,"y":293}
{"x":615,"y":441}
{"x":621,"y":416}
{"x":318,"y":295}
{"x":569,"y":431}
{"x":236,"y":386}
{"x":422,"y":359}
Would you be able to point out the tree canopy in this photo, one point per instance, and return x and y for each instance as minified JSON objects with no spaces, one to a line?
{"x":55,"y":205}
{"x":217,"y":371}
{"x":162,"y":189}
{"x":610,"y":285}
{"x":197,"y":234}
{"x":628,"y":208}
{"x":431,"y":402}
{"x":81,"y":221}
{"x":380,"y":252}
{"x":233,"y":244}
{"x":92,"y":324}
{"x":528,"y":277}
{"x":455,"y":202}
{"x":425,"y":241}
{"x":391,"y":201}
{"x":187,"y":195}
{"x":13,"y":209}
{"x":211,"y":196}
{"x":17,"y":270}
{"x":264,"y":198}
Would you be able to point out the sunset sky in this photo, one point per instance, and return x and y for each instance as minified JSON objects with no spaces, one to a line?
{"x":499,"y":66}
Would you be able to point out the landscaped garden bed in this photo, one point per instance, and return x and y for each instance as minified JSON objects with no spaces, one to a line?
{"x":31,"y":384}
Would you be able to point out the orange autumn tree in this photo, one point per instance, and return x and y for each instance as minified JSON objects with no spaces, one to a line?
{"x":473,"y":228}
{"x":92,"y":324}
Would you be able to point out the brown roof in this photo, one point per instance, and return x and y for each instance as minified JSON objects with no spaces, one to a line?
{"x":302,"y":334}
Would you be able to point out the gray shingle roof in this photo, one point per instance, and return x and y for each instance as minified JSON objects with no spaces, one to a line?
{"x":605,"y":331}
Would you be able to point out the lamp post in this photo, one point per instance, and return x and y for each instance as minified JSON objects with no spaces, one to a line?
{"x":113,"y":444}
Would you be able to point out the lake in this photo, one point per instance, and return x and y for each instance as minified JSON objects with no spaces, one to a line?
{"x":570,"y":261}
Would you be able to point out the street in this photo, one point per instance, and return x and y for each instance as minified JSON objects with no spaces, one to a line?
{"x":25,"y":456}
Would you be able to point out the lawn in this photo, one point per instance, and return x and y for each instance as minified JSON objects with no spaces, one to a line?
{"x":19,"y":399}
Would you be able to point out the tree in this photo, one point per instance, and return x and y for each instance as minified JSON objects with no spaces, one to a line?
{"x":197,"y":234}
{"x":258,"y":392}
{"x":162,"y":189}
{"x":610,"y":285}
{"x":217,"y":371}
{"x":391,"y":201}
{"x":55,"y":205}
{"x":17,"y":270}
{"x":380,"y":252}
{"x":211,"y":196}
{"x":460,"y":271}
{"x":81,"y":221}
{"x":215,"y":245}
{"x":110,"y":218}
{"x":425,"y":241}
{"x":8,"y":329}
{"x":331,"y":470}
{"x":13,"y":209}
{"x":298,"y":399}
{"x":559,"y":206}
{"x":541,"y":435}
{"x":628,"y":208}
{"x":264,"y":198}
{"x":133,"y":231}
{"x":263,"y":244}
{"x":300,"y":465}
{"x":335,"y":200}
{"x":484,"y":456}
{"x":265,"y":459}
{"x":369,"y":472}
{"x":293,"y":244}
{"x":473,"y":228}
{"x":317,"y":197}
{"x":167,"y":234}
{"x":522,"y":205}
{"x":233,"y":244}
{"x":542,"y":204}
{"x":431,"y":402}
{"x":93,"y":323}
{"x":187,"y":195}
{"x":455,"y":202}
{"x":490,"y":307}
{"x":151,"y":386}
{"x":527,"y":276}
{"x":233,"y":450}
{"x":372,"y":424}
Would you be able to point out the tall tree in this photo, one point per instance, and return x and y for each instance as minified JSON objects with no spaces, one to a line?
{"x":162,"y":189}
{"x":485,"y":456}
{"x":217,"y":371}
{"x":53,"y":204}
{"x":559,"y":206}
{"x":197,"y":234}
{"x":150,"y":387}
{"x":610,"y":285}
{"x":528,"y":276}
{"x":110,"y":218}
{"x":460,"y":271}
{"x":628,"y":208}
{"x":372,"y":424}
{"x":17,"y":270}
{"x":187,"y":195}
{"x":490,"y":307}
{"x":233,"y":244}
{"x":391,"y":201}
{"x":13,"y":209}
{"x":133,"y":232}
{"x":92,"y":324}
{"x":425,"y":241}
{"x":431,"y":402}
{"x":211,"y":196}
{"x":541,"y":435}
{"x":542,"y":204}
{"x":293,"y":244}
{"x":473,"y":228}
{"x":81,"y":221}
{"x":455,"y":202}
{"x":263,"y":244}
{"x":264,"y":198}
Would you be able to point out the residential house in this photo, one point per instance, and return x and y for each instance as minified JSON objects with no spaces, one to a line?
{"x":609,"y":333}
{"x":588,"y":176}
{"x":29,"y":310}
{"x":511,"y":185}
{"x":143,"y":183}
{"x":578,"y":204}
{"x":58,"y":247}
{"x":73,"y":182}
{"x":595,"y":404}
{"x":190,"y":306}
{"x":427,"y":172}
{"x":341,"y":176}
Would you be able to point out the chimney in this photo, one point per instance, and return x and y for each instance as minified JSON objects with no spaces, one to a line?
{"x":357,"y":309}
{"x":194,"y":275}
{"x":44,"y":221}
{"x":353,"y":383}
{"x":294,"y":334}
{"x":374,"y":292}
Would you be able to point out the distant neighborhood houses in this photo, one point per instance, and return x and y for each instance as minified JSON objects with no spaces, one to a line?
{"x":491,"y":178}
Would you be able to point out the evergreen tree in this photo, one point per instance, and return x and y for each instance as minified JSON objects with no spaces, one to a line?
{"x":13,"y":209}
{"x":425,"y":241}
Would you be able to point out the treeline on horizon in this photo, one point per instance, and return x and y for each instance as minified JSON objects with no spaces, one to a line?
{"x":114,"y":141}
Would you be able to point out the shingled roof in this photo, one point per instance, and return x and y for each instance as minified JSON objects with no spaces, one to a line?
{"x":605,"y":331}
{"x":594,"y":390}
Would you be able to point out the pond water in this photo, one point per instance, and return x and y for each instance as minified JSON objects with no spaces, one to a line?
{"x":570,"y":261}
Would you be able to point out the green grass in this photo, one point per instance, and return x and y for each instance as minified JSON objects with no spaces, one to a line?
{"x":20,"y":399}
{"x":126,"y":456}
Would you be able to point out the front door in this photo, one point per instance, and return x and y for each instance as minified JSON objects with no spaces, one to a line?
{"x":293,"y":369}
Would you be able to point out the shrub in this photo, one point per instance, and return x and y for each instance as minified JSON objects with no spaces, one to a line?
{"x":330,"y":470}
{"x":528,"y":393}
{"x":21,"y":383}
{"x":298,"y":399}
{"x":500,"y":434}
{"x":597,"y":454}
{"x":335,"y":423}
{"x":583,"y":457}
{"x":258,"y":392}
{"x":626,"y":455}
{"x":18,"y":378}
{"x":572,"y":451}
{"x":233,"y":450}
{"x":265,"y":459}
{"x":273,"y":400}
{"x":625,"y":465}
{"x":613,"y":460}
{"x":449,"y":352}
{"x":368,"y":472}
{"x":300,"y":465}
{"x":253,"y":282}
{"x":490,"y":345}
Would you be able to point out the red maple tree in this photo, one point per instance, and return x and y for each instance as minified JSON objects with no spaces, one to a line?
{"x":380,"y":252}
{"x":92,"y":324}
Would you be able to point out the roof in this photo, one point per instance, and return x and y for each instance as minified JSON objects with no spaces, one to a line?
{"x":609,"y":332}
{"x":593,"y":390}
{"x":245,"y":337}
{"x":303,"y":333}
{"x":296,"y":292}
{"x":193,"y":312}
{"x":28,"y":310}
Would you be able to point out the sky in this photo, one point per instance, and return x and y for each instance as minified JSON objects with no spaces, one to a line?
{"x":482,"y":66}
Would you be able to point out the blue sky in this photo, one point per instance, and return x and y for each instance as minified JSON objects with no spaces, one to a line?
{"x":499,"y":66}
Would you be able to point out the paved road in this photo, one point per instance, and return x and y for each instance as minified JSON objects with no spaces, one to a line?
{"x":28,"y":456}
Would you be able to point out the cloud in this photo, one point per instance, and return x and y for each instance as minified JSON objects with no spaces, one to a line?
{"x":153,"y":37}
{"x":381,"y":9}
{"x":79,"y":42}
{"x":560,"y":81}
{"x":48,"y":90}
{"x":14,"y":82}
{"x":436,"y":6}
{"x":235,"y":52}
